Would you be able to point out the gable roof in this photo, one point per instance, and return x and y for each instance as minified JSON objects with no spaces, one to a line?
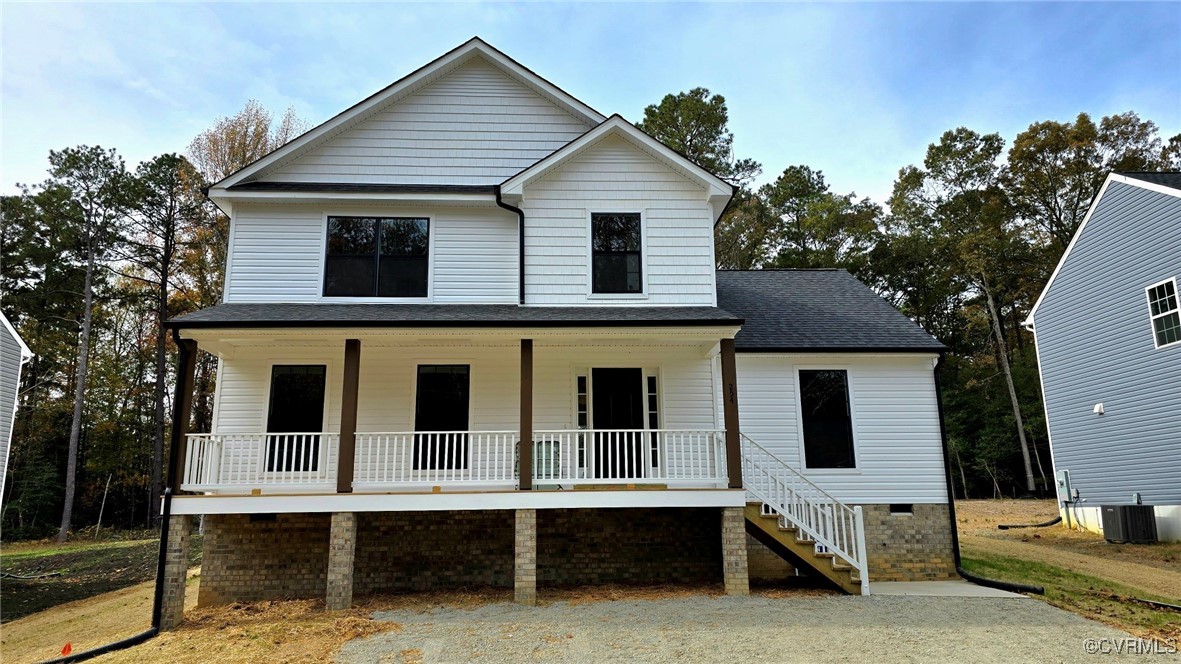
{"x":617,"y":126}
{"x":1171,"y":179}
{"x":1168,"y":183}
{"x":6,"y":326}
{"x":821,"y":310}
{"x":475,"y":47}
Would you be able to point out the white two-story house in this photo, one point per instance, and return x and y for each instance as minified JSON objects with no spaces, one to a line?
{"x":472,"y":334}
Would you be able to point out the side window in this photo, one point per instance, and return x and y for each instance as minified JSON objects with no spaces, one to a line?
{"x":1164,"y":313}
{"x":827,"y":421}
{"x":616,"y":260}
{"x":377,"y":257}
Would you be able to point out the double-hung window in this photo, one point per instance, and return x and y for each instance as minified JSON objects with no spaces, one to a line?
{"x":616,"y":260}
{"x":377,"y":257}
{"x":1164,"y":312}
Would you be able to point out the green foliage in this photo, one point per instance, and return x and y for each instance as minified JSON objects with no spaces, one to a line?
{"x":696,"y":124}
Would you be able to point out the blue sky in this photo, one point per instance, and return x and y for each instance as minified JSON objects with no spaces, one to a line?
{"x":856,"y":90}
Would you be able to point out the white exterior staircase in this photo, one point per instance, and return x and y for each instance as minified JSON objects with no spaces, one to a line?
{"x":794,"y":516}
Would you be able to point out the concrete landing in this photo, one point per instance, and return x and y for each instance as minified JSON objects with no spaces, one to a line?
{"x":937,"y":589}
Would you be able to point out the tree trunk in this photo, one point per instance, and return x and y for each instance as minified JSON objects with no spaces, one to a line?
{"x":1030,"y":486}
{"x":158,"y":415}
{"x":79,"y":394}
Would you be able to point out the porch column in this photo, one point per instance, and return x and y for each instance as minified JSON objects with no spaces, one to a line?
{"x":730,"y":410}
{"x":182,"y":408}
{"x":525,"y":451}
{"x":735,"y":574}
{"x":176,"y":568}
{"x":525,"y":558}
{"x":342,"y":547}
{"x":348,"y":416}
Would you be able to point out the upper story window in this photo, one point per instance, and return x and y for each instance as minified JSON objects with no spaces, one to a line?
{"x":1164,"y":312}
{"x":827,"y":420}
{"x":376,"y":257}
{"x":616,"y":260}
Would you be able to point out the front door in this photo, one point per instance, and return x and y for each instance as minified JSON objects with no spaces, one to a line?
{"x":441,"y":405}
{"x":617,"y":402}
{"x":297,"y":410}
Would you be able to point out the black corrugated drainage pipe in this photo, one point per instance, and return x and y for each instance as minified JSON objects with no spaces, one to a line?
{"x":955,"y":535}
{"x":520,"y":244}
{"x":165,"y":515}
{"x":157,"y":600}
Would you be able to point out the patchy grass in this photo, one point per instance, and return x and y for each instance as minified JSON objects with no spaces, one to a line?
{"x":1089,"y":596}
{"x":74,"y":571}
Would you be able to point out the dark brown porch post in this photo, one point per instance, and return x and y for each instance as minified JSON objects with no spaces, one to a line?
{"x":348,"y":416}
{"x":182,"y":409}
{"x":526,"y":445}
{"x":730,"y":410}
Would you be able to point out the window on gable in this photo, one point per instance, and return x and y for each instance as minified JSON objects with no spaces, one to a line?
{"x":1164,"y":312}
{"x":376,"y":257}
{"x":616,"y":261}
{"x":828,"y":424}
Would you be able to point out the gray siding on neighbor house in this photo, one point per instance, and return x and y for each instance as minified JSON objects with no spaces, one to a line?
{"x":10,"y":371}
{"x":1095,"y":345}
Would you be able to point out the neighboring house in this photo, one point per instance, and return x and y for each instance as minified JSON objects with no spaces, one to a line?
{"x":471,"y":258}
{"x":13,"y":355}
{"x":1108,"y":334}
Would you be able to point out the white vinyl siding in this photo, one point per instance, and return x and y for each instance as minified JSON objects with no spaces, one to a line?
{"x":475,"y":125}
{"x":616,"y":176}
{"x":386,"y":388}
{"x":896,"y":436}
{"x":277,"y":253}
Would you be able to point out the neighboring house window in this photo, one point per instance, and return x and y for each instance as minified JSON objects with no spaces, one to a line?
{"x":376,"y":257}
{"x":295,"y":417}
{"x":616,"y":261}
{"x":1165,"y":314}
{"x":827,"y":423}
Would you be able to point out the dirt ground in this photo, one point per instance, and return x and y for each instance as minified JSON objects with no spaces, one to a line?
{"x":74,"y":571}
{"x":1152,"y":568}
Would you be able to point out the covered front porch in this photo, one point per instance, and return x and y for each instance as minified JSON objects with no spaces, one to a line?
{"x":430,"y":411}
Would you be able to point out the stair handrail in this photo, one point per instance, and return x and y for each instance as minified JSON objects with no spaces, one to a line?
{"x":846,"y":542}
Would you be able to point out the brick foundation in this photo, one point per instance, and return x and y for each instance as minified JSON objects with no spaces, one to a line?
{"x":909,"y":547}
{"x":734,"y":556}
{"x":287,"y":555}
{"x":341,"y":548}
{"x":764,"y":564}
{"x":176,"y":567}
{"x":525,"y":562}
{"x":634,"y":545}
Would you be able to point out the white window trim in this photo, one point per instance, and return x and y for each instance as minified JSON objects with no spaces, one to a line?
{"x":384,"y":214}
{"x":590,"y":256}
{"x":1152,"y":318}
{"x":857,"y":468}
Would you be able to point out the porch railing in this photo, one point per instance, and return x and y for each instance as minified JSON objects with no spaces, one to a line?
{"x":435,"y":457}
{"x":292,"y":460}
{"x":666,"y":456}
{"x":409,"y":460}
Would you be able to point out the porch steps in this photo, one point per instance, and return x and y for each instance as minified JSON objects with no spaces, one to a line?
{"x":798,"y":549}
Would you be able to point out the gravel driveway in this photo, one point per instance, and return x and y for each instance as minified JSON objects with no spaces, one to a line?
{"x":879,"y":629}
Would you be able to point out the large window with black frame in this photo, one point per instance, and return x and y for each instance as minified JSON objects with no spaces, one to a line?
{"x":616,"y":253}
{"x":826,"y":417}
{"x":295,"y":418}
{"x":377,"y":257}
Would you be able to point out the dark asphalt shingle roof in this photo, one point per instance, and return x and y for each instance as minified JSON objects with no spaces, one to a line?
{"x":1165,"y":178}
{"x":815,"y":310}
{"x":241,"y":314}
